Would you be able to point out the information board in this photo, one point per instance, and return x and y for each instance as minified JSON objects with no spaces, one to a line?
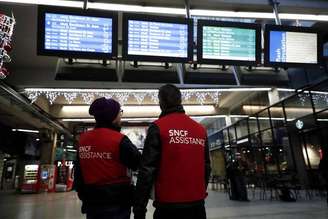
{"x":148,"y":38}
{"x":64,"y":32}
{"x":229,"y":43}
{"x":293,"y":47}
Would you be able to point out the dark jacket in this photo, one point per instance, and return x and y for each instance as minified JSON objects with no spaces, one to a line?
{"x":149,"y":168}
{"x":94,"y":197}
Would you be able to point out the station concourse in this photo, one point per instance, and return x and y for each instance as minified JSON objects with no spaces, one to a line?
{"x":253,"y":74}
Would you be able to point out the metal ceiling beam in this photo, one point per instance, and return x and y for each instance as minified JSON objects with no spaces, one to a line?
{"x":43,"y":116}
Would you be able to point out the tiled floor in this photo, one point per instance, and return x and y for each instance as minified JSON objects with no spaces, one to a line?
{"x":67,"y":206}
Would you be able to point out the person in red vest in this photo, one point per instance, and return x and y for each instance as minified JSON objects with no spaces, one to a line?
{"x":104,"y":157}
{"x":175,"y":161}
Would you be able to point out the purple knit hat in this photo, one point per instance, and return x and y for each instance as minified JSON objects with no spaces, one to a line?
{"x":104,"y":110}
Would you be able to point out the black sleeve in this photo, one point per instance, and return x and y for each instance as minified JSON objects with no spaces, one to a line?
{"x":129,"y":154}
{"x":207,"y":163}
{"x":150,"y":161}
{"x":78,"y":183}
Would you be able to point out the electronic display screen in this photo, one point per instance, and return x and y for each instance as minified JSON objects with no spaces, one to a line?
{"x":229,"y":43}
{"x":65,"y":32}
{"x":150,"y":38}
{"x":293,"y":47}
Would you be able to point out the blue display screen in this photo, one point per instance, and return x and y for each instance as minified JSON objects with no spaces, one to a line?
{"x":293,"y":47}
{"x":76,"y":33}
{"x":147,"y":38}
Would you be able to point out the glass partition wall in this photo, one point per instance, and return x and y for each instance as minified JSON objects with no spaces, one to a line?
{"x":264,"y":143}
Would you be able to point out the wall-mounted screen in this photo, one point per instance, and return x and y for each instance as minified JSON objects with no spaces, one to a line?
{"x":152,"y":38}
{"x":77,"y":33}
{"x":292,"y":46}
{"x":228,"y":43}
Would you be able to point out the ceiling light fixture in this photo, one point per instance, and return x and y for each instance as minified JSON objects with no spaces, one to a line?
{"x":136,"y":8}
{"x":63,"y":3}
{"x":25,"y":130}
{"x":174,"y":11}
{"x":71,"y":111}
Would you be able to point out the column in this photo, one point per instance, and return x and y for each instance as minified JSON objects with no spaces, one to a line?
{"x":273,"y":96}
{"x":48,"y":147}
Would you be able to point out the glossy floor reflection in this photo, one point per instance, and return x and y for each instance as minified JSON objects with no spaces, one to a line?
{"x":67,"y":206}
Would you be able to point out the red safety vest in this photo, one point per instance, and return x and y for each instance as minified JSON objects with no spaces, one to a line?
{"x":181,"y":176}
{"x":99,"y":154}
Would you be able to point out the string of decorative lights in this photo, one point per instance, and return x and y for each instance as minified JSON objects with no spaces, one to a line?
{"x":200,"y":96}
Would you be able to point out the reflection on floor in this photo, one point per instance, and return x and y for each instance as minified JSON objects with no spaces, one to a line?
{"x":67,"y":206}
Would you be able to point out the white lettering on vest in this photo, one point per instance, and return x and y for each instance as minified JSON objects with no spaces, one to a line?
{"x":181,"y":137}
{"x":85,"y":152}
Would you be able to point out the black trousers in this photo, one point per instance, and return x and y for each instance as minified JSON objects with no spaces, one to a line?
{"x":117,"y":212}
{"x":194,"y":212}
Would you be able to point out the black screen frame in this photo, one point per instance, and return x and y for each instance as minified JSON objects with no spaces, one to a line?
{"x":42,"y":10}
{"x":151,"y":18}
{"x":258,"y":49}
{"x":270,"y":27}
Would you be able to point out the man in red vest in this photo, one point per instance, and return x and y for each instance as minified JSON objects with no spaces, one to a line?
{"x":104,"y":157}
{"x":175,"y":161}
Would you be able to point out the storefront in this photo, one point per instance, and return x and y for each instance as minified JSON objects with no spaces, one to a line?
{"x":285,"y":138}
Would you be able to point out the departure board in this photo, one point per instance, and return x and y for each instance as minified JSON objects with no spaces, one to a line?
{"x":148,"y":38}
{"x":75,"y":33}
{"x":293,"y":47}
{"x":229,"y":43}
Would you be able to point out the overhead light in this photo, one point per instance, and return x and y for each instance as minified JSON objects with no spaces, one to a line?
{"x":244,"y":89}
{"x":69,"y":146}
{"x":307,"y":17}
{"x":242,"y":141}
{"x":137,"y":111}
{"x":286,"y":90}
{"x":25,"y":130}
{"x":78,"y":120}
{"x":63,"y":3}
{"x":174,"y":11}
{"x":136,"y":8}
{"x":71,"y":150}
{"x":322,"y":120}
{"x":38,"y":139}
{"x":141,"y":90}
{"x":232,"y":14}
{"x":238,"y":116}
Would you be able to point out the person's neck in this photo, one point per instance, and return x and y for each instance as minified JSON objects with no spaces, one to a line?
{"x":112,"y":126}
{"x":175,"y":109}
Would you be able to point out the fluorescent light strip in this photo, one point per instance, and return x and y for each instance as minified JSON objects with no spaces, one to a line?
{"x":232,"y":14}
{"x":71,"y":111}
{"x":64,"y":3}
{"x":139,"y":90}
{"x":242,"y":141}
{"x":168,"y":10}
{"x":71,"y":150}
{"x":136,"y":8}
{"x":286,"y":90}
{"x":322,"y":120}
{"x":25,"y":130}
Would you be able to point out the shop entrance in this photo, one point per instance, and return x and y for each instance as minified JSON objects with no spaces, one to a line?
{"x":312,"y":143}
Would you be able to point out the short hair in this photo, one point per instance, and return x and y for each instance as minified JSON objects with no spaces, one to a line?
{"x":169,"y":96}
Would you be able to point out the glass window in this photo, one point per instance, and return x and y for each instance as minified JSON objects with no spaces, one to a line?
{"x":298,"y":106}
{"x":264,"y":120}
{"x":267,"y":138}
{"x":232,"y":134}
{"x":252,"y":122}
{"x":277,"y":115}
{"x":242,"y":129}
{"x":226,"y":137}
{"x":320,"y":96}
{"x":284,"y":149}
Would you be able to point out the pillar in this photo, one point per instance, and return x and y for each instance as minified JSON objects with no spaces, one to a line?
{"x":48,"y":147}
{"x":273,"y":96}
